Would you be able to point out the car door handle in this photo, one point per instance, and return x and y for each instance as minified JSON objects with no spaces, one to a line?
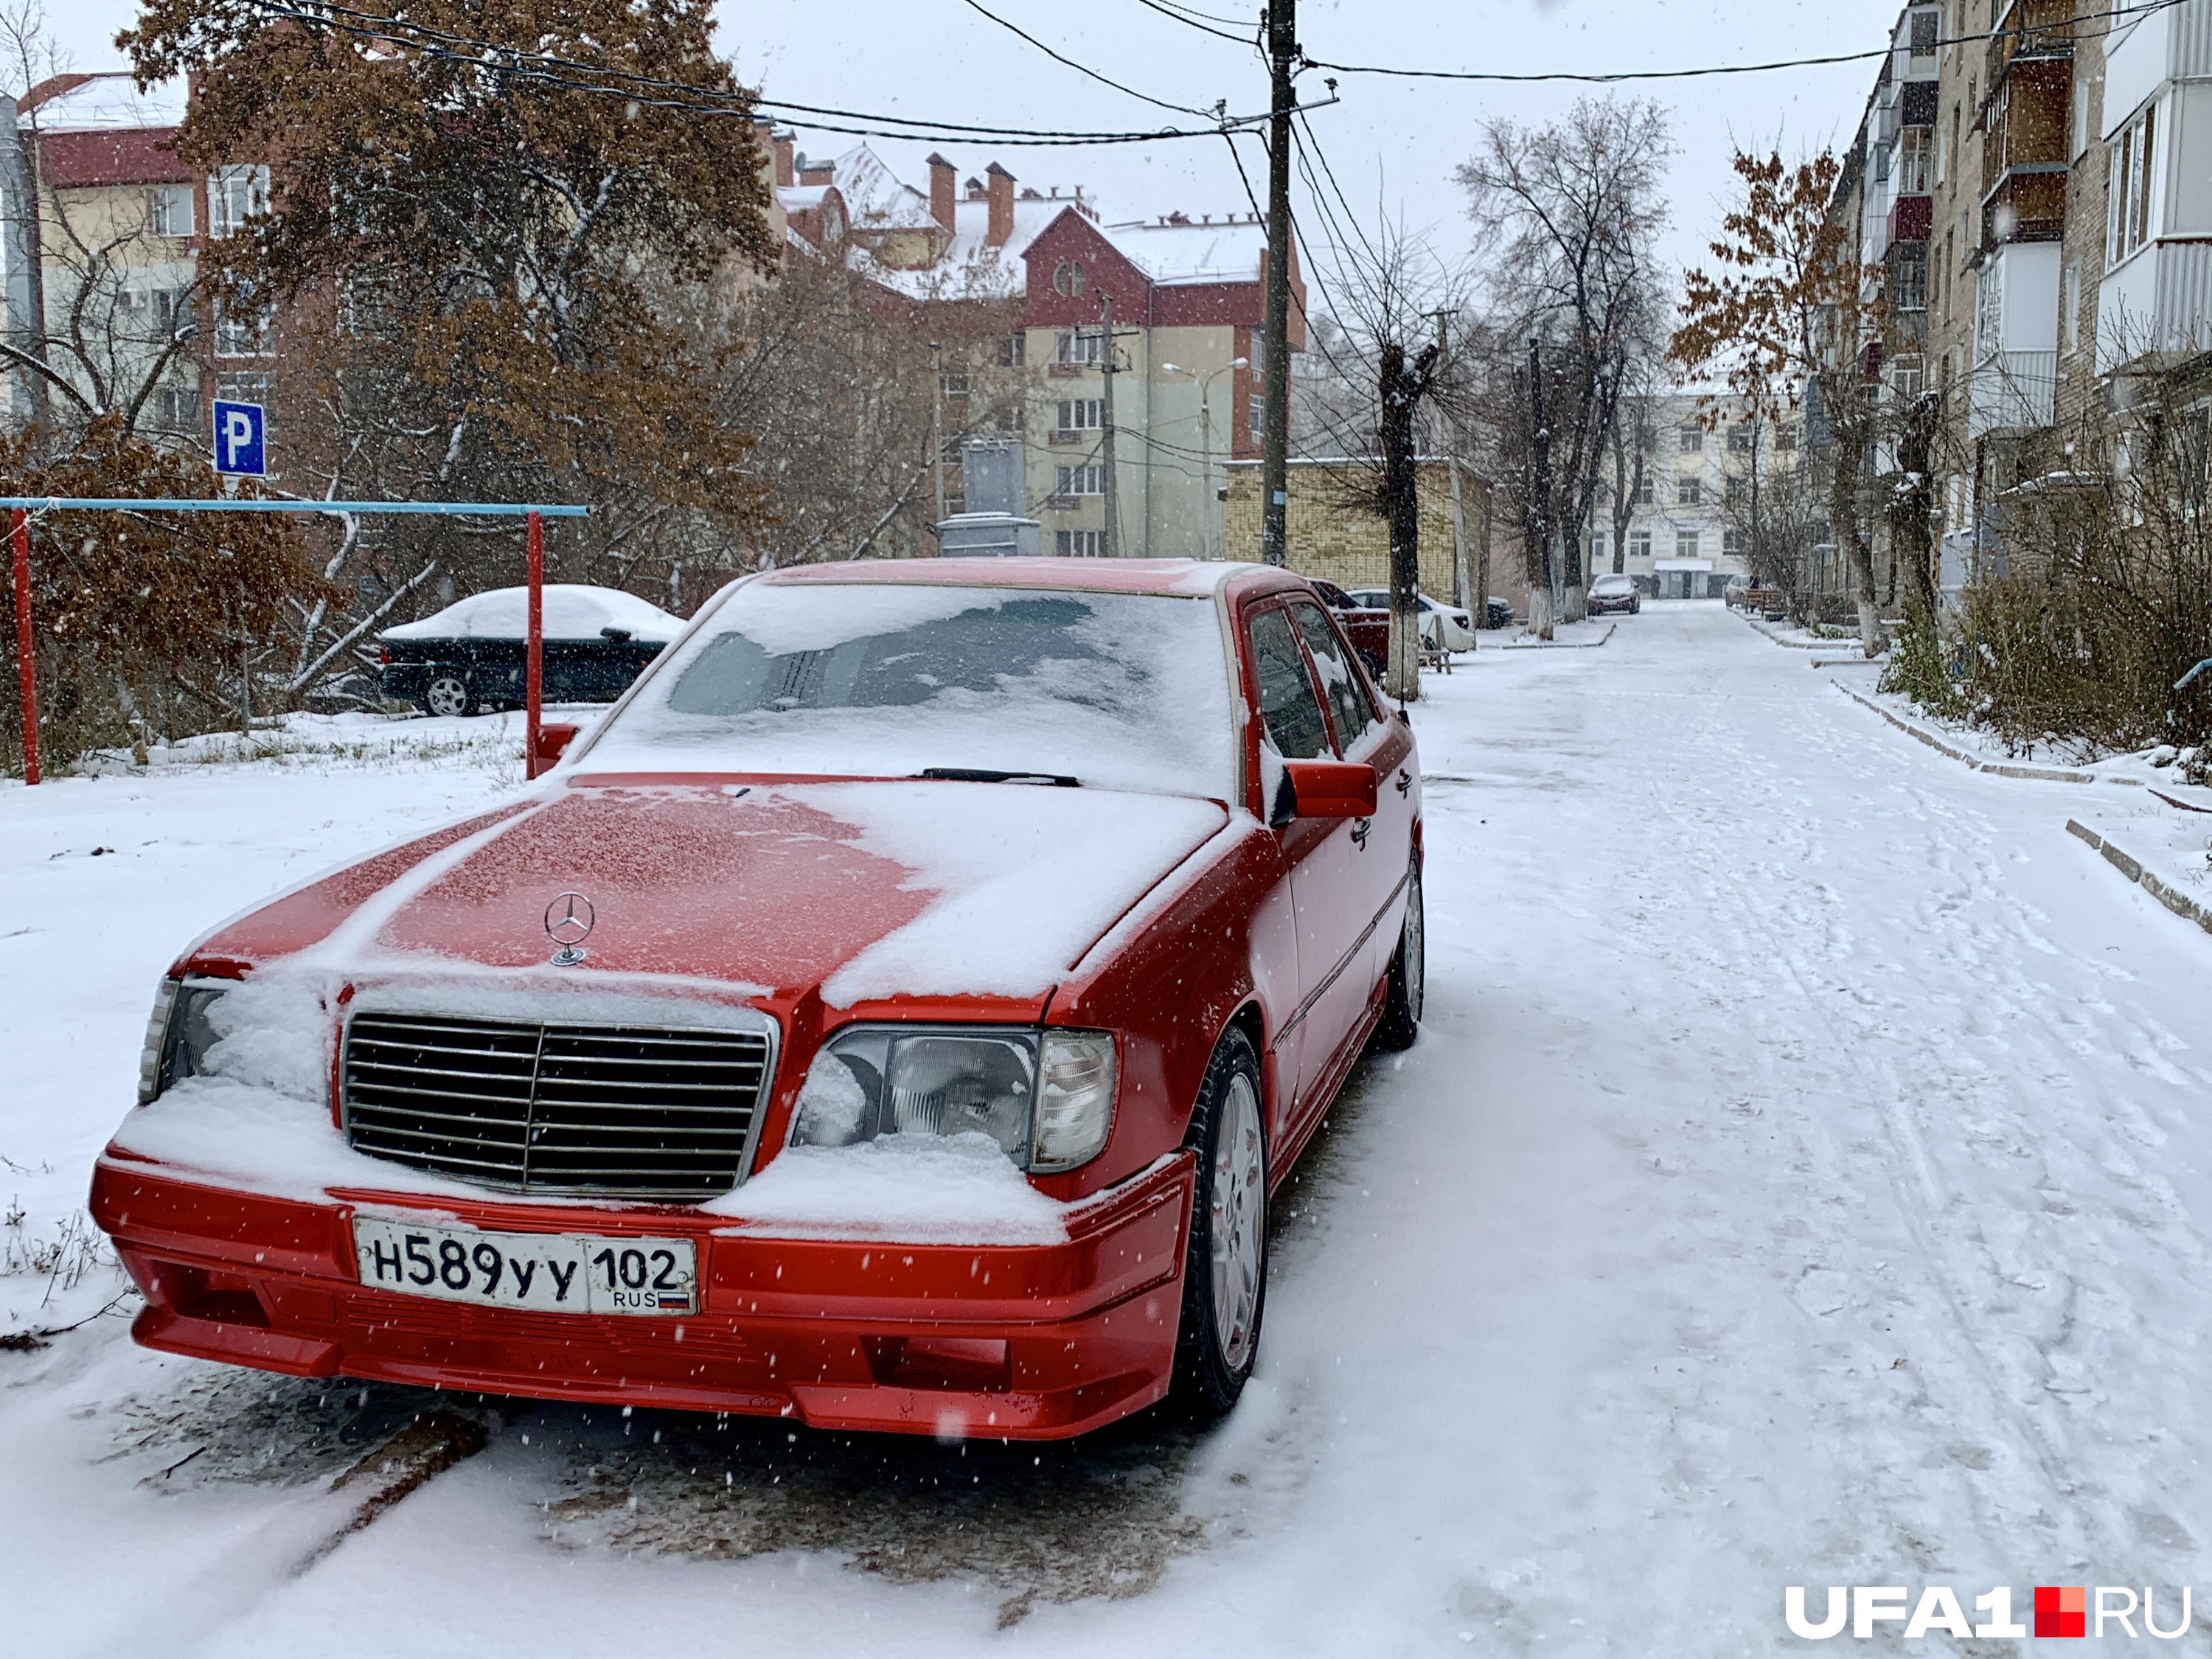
{"x":1405,"y":781}
{"x":1361,"y":828}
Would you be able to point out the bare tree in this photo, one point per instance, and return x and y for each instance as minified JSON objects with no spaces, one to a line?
{"x":110,"y":339}
{"x":836,"y":378}
{"x":1383,"y":352}
{"x":1567,"y":213}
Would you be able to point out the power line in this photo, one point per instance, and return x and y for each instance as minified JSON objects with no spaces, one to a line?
{"x":634,"y":88}
{"x":1611,"y":78}
{"x":1313,"y":145}
{"x":1189,"y":19}
{"x":1082,"y":68}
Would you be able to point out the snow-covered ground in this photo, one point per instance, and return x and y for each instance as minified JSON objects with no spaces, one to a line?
{"x":1802,"y":1178}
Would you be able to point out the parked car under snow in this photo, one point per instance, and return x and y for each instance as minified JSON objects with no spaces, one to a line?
{"x":896,"y":1016}
{"x":468,"y":658}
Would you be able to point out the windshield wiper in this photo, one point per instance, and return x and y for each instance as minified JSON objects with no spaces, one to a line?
{"x":985,"y":774}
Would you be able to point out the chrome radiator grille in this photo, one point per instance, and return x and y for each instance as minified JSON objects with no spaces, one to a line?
{"x":625,"y":1111}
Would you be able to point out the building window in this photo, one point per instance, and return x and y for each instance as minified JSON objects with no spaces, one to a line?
{"x":169,"y":210}
{"x":1647,"y":492}
{"x":1685,"y":544}
{"x":1082,"y":480}
{"x":241,"y":331}
{"x":237,"y":388}
{"x":1989,"y":311}
{"x":235,"y":195}
{"x":177,"y":408}
{"x":1785,"y":439}
{"x":1256,"y":355}
{"x":1731,"y":544}
{"x":1082,"y":414}
{"x":1693,"y":439}
{"x":1256,"y":414}
{"x":1908,"y":374}
{"x":1012,"y":350}
{"x":1923,"y":37}
{"x":1079,"y":544}
{"x":1639,"y":545}
{"x":1909,"y":289}
{"x":1067,"y":278}
{"x":956,"y":385}
{"x":1739,"y":439}
{"x":2129,"y":215}
{"x":1010,"y":418}
{"x":1075,"y":346}
{"x":1736,"y":492}
{"x":1598,"y":548}
{"x":1914,"y":156}
{"x":1687,"y":492}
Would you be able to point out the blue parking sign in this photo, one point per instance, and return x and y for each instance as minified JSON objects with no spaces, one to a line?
{"x":242,"y":432}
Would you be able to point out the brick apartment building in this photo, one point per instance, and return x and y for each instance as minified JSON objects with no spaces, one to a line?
{"x":1188,"y":300}
{"x":2033,"y":183}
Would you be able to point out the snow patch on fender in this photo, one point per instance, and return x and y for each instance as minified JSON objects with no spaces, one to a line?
{"x":905,"y":1189}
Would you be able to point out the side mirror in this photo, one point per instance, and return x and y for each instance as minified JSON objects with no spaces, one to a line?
{"x":1329,"y":789}
{"x":554,"y":738}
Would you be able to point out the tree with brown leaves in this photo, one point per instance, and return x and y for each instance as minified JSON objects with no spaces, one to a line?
{"x":494,"y":281}
{"x":1783,"y":322}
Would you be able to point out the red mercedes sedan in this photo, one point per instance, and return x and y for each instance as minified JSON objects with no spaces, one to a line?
{"x":895,"y":1015}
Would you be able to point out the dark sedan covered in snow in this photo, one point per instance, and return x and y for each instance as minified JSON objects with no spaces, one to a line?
{"x":896,"y":1014}
{"x":468,"y":658}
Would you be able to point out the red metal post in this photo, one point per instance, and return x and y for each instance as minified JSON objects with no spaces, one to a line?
{"x":535,"y":673}
{"x":27,"y":671}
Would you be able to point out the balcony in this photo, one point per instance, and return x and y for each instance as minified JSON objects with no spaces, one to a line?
{"x":1911,"y":218}
{"x":2015,"y":372}
{"x":2011,"y":391}
{"x":2030,"y":32}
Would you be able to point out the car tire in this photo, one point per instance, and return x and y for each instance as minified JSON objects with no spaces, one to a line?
{"x":1408,"y":984}
{"x":1225,"y":1277}
{"x":446,"y":695}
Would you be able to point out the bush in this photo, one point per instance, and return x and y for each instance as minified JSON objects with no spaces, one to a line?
{"x":147,"y":622}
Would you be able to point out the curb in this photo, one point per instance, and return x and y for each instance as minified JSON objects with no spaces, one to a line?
{"x":2180,"y":903}
{"x":1996,"y":769}
{"x":1772,"y":638}
{"x":1848,"y":662}
{"x":1553,"y":644}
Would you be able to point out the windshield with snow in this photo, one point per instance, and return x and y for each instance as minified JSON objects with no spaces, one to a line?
{"x":1113,"y":690}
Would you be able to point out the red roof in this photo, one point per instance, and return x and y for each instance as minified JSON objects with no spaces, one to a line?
{"x":138,"y":156}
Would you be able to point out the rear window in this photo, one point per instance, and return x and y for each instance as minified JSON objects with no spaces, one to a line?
{"x":1117,"y":690}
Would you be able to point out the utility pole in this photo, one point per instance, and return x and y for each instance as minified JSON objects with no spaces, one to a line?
{"x":1275,"y":360}
{"x":937,"y":426}
{"x":1106,"y":430}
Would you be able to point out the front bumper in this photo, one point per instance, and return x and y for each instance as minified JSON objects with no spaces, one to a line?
{"x":1022,"y":1342}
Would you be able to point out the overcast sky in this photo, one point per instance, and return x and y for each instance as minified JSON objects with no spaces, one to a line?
{"x":1393,"y":142}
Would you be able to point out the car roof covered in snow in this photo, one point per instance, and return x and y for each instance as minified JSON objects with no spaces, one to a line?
{"x":573,"y":610}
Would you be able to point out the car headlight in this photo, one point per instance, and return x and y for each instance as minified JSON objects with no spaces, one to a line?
{"x":177,"y":1035}
{"x":1047,"y":1098}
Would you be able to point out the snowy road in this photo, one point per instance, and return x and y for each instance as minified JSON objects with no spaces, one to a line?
{"x":1801,"y":1178}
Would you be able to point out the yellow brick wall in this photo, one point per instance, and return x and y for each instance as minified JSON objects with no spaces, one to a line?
{"x":1333,"y":535}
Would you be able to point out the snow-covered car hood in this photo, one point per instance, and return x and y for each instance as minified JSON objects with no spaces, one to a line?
{"x":865,"y":890}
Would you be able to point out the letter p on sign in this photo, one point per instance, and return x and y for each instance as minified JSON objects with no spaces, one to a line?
{"x":241,"y":433}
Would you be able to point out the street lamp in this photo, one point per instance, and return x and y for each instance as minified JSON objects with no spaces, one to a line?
{"x":1206,"y":433}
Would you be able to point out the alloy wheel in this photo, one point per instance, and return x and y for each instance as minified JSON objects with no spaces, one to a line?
{"x":1237,"y":1201}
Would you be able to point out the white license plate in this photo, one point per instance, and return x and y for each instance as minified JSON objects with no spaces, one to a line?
{"x":546,"y":1272}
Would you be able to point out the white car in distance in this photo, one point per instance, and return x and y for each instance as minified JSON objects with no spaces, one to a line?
{"x":1443,"y":627}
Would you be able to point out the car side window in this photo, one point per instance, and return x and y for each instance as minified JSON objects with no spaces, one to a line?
{"x":1288,"y":708}
{"x":1348,"y":698}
